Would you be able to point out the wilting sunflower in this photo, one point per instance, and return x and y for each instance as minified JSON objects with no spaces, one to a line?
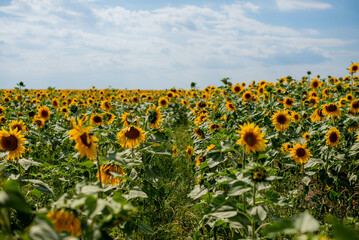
{"x":200,"y":159}
{"x":189,"y":151}
{"x":96,"y":119}
{"x":85,"y":141}
{"x":128,"y":119}
{"x":174,"y":151}
{"x":300,"y":154}
{"x":354,"y":106}
{"x":40,"y":122}
{"x":106,"y":176}
{"x":12,"y":141}
{"x":108,"y":117}
{"x":288,"y":102}
{"x":154,"y":116}
{"x":163,"y":102}
{"x":247,"y":96}
{"x":131,"y":136}
{"x":331,"y":110}
{"x":354,"y":68}
{"x":251,"y":138}
{"x":65,"y":221}
{"x":306,"y":136}
{"x":317,"y":115}
{"x":315,"y":84}
{"x":44,"y":113}
{"x":214,"y":127}
{"x":199,"y":133}
{"x":106,"y":105}
{"x":230,"y":106}
{"x":295,"y":117}
{"x":333,"y":137}
{"x":281,"y":120}
{"x":286,"y":148}
{"x":18,"y":125}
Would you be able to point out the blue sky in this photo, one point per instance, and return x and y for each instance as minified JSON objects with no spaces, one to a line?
{"x":162,"y":44}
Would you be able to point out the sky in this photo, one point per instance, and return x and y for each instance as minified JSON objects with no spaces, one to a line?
{"x":142,"y":44}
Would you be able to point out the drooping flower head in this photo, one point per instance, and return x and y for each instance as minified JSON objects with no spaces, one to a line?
{"x":107,"y":177}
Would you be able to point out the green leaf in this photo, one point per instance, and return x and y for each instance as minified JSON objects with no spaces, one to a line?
{"x":43,"y":231}
{"x":135,"y":194}
{"x":198,"y":192}
{"x":224,"y":212}
{"x":40,"y":185}
{"x":26,"y":163}
{"x":238,"y":190}
{"x":89,"y":164}
{"x":213,"y":159}
{"x":306,"y":180}
{"x":305,"y":223}
{"x":12,"y":198}
{"x":312,"y":162}
{"x":145,"y":229}
{"x":259,"y":212}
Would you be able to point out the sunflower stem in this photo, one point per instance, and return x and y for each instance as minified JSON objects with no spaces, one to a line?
{"x":99,"y":173}
{"x":254,"y":204}
{"x":243,"y":167}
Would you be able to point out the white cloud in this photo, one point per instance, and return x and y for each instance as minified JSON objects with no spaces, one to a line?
{"x":50,"y":39}
{"x":288,"y":5}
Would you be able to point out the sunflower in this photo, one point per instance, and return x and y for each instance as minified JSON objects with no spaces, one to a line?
{"x":85,"y":141}
{"x":128,"y":119}
{"x":64,"y":110}
{"x":18,"y":125}
{"x":12,"y":141}
{"x":230,"y":106}
{"x":354,"y":68}
{"x":251,"y":138}
{"x":163,"y":102}
{"x":106,"y":176}
{"x":333,"y":137}
{"x":199,"y":133}
{"x":200,"y":159}
{"x":331,"y":110}
{"x":131,"y":136}
{"x":154,"y":116}
{"x":44,"y":113}
{"x":214,"y":127}
{"x":354,"y":106}
{"x":2,"y":119}
{"x":306,"y":136}
{"x":174,"y":151}
{"x":349,"y":97}
{"x":201,"y":104}
{"x":237,"y":88}
{"x":189,"y":151}
{"x":108,"y":117}
{"x":135,"y":99}
{"x":295,"y":117}
{"x":106,"y":105}
{"x":96,"y":120}
{"x":300,"y":154}
{"x":210,"y":147}
{"x":313,"y":101}
{"x":286,"y":147}
{"x":288,"y":102}
{"x":65,"y":221}
{"x":317,"y":115}
{"x":281,"y":120}
{"x":315,"y":84}
{"x":247,"y":96}
{"x":40,"y":122}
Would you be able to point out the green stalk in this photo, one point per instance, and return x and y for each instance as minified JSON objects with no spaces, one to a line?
{"x":254,"y":204}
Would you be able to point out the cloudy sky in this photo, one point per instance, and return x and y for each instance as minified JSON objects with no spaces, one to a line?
{"x":161,"y":44}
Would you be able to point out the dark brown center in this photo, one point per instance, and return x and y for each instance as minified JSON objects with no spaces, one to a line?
{"x":133,"y":133}
{"x":97,"y":119}
{"x":250,"y":139}
{"x":84,"y":139}
{"x":281,"y":119}
{"x":9,"y":143}
{"x":300,"y":152}
{"x":44,"y":113}
{"x":333,"y":137}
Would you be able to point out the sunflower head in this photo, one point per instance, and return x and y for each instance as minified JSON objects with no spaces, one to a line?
{"x":154,"y":116}
{"x":131,"y":136}
{"x":189,"y":151}
{"x":300,"y":153}
{"x":332,"y":137}
{"x":315,"y":84}
{"x":65,"y":221}
{"x":18,"y":125}
{"x":12,"y":141}
{"x":174,"y":151}
{"x":306,"y":136}
{"x":199,"y":133}
{"x":163,"y":102}
{"x":237,"y":88}
{"x":247,"y":96}
{"x":96,"y":119}
{"x":354,"y":106}
{"x":214,"y":127}
{"x":331,"y":110}
{"x":44,"y":113}
{"x":107,"y":177}
{"x":252,"y":138}
{"x":281,"y":120}
{"x":40,"y":122}
{"x":200,"y":159}
{"x":230,"y":106}
{"x":286,"y":147}
{"x":354,"y":68}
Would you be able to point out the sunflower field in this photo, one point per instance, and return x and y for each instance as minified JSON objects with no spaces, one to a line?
{"x":240,"y":161}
